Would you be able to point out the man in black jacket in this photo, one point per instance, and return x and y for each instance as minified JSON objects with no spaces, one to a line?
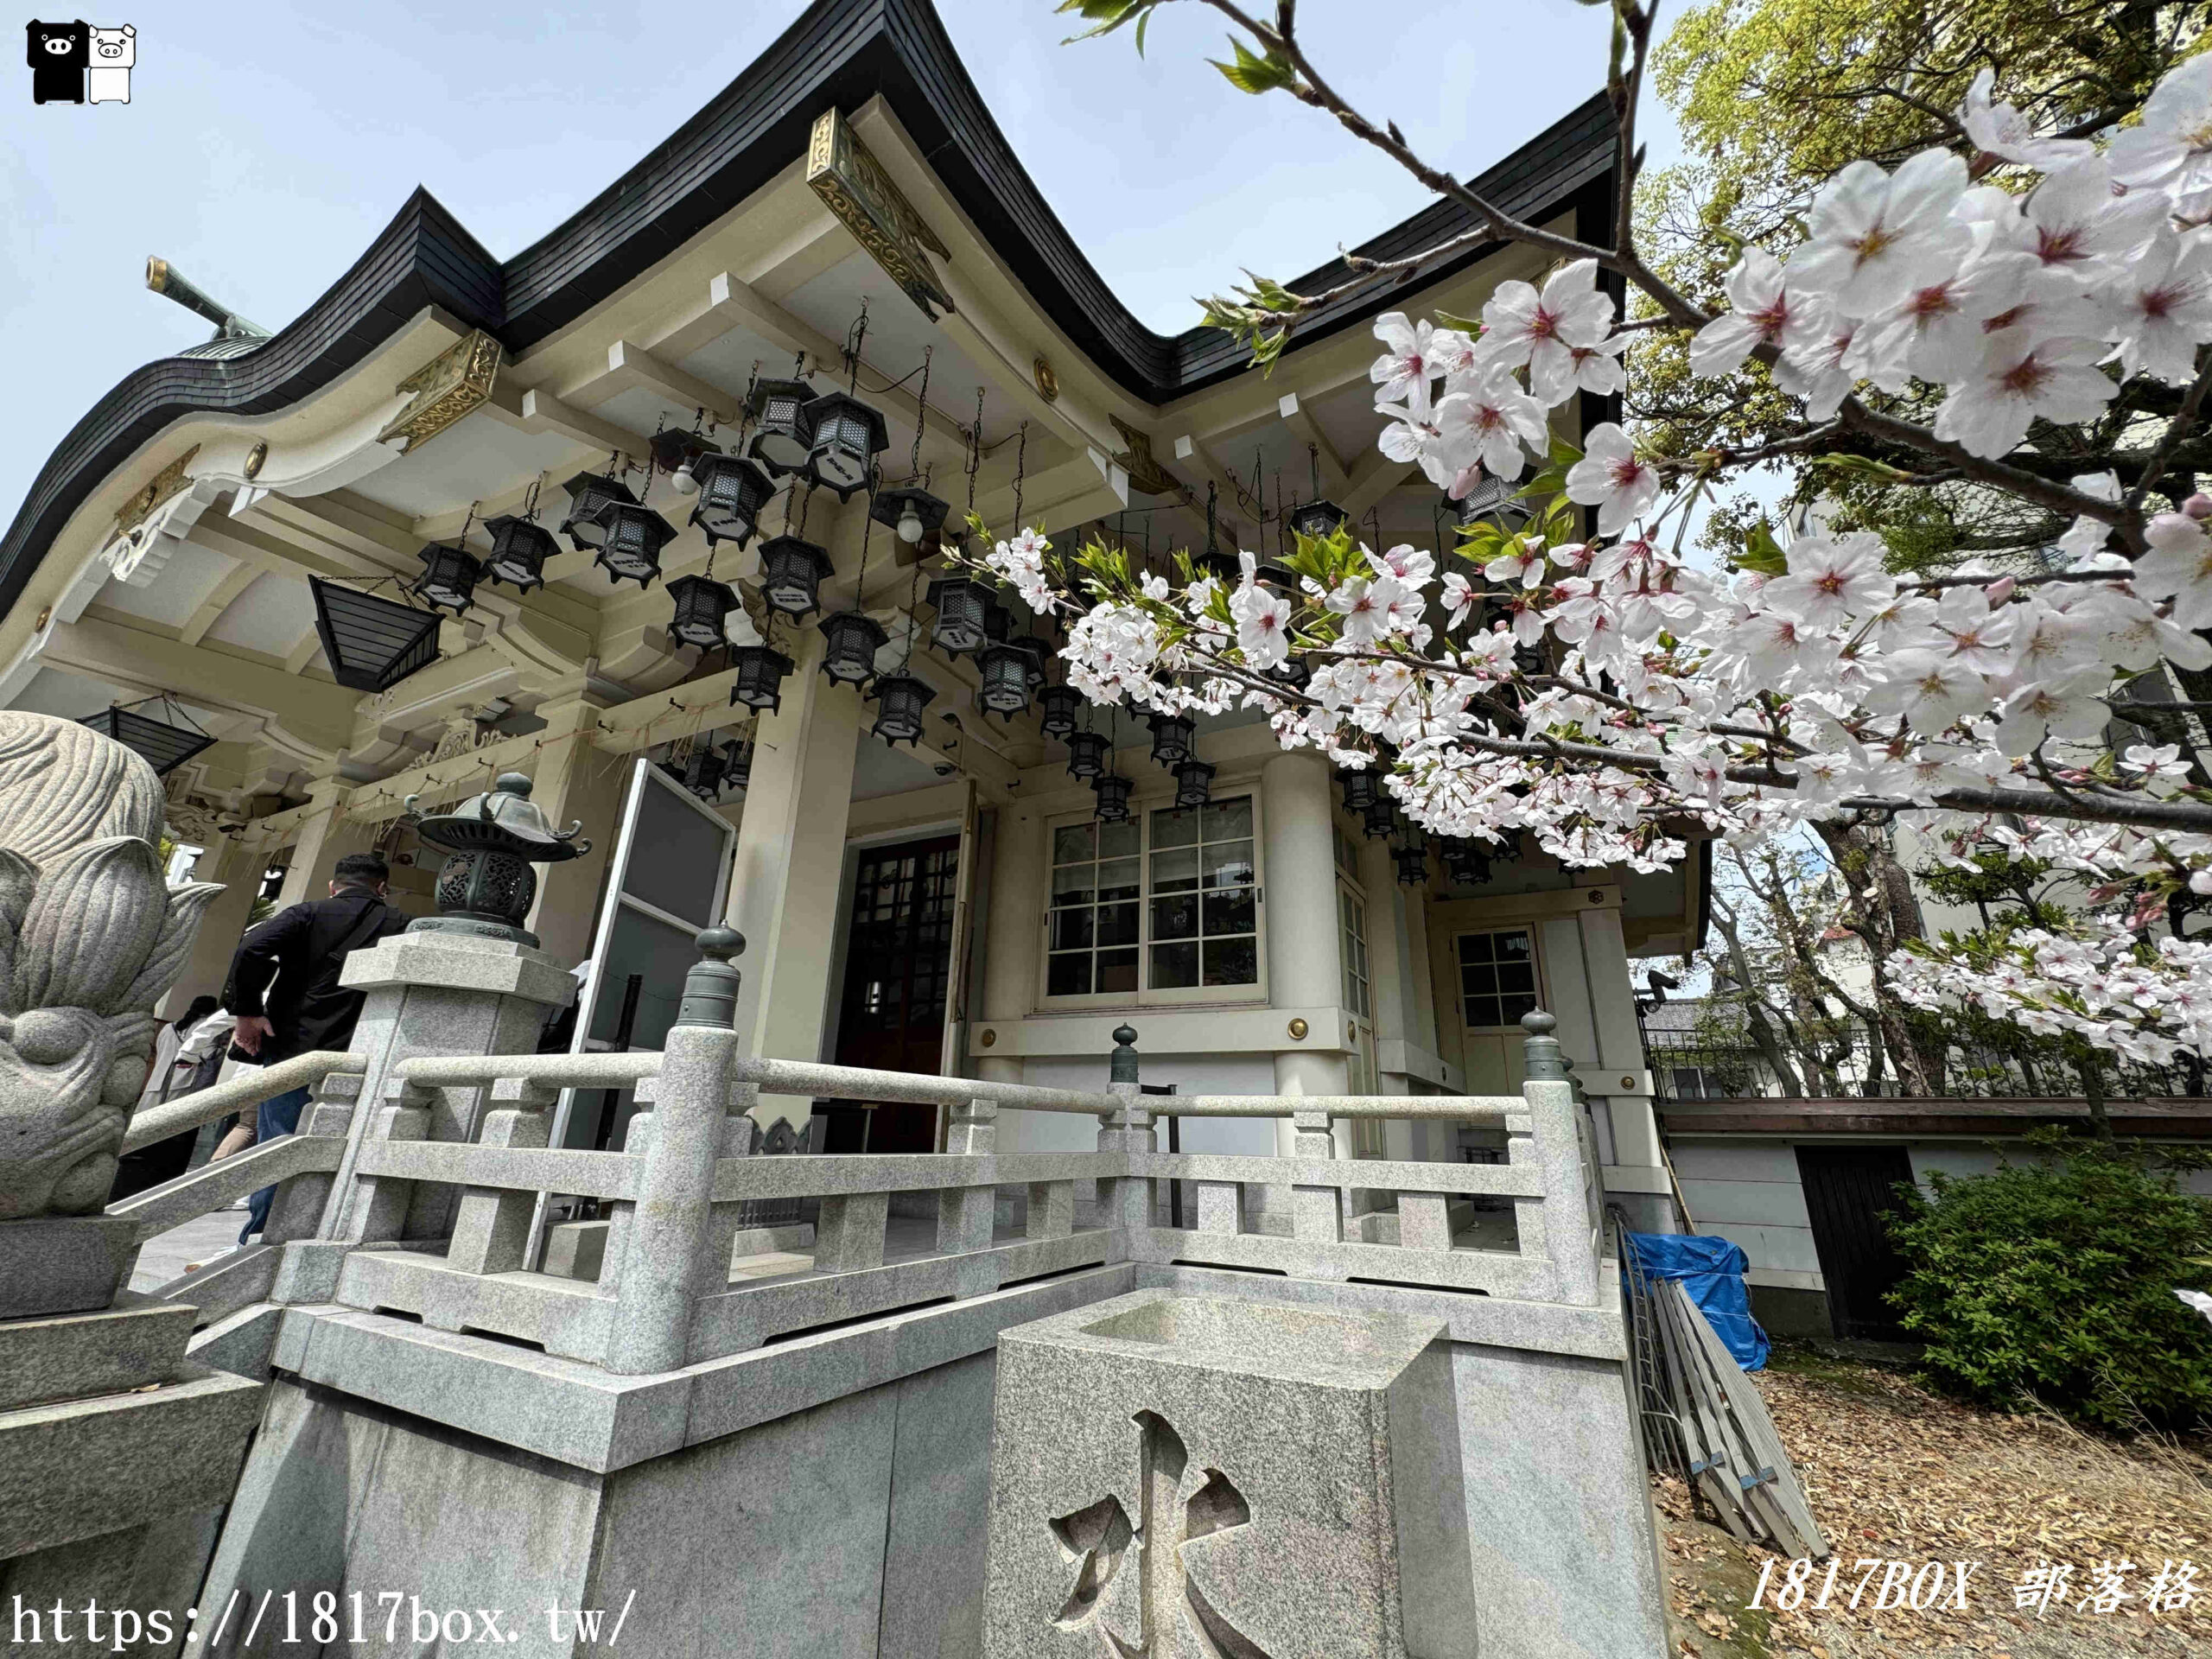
{"x":302,"y":948}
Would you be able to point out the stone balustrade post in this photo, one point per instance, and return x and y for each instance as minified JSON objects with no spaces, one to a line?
{"x":1125,"y":1201}
{"x":296,"y":1210}
{"x":1557,"y":1148}
{"x":491,"y":1231}
{"x":1316,"y":1212}
{"x":666,"y":1263}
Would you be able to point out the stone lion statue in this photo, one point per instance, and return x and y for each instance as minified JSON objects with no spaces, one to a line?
{"x":91,"y":937}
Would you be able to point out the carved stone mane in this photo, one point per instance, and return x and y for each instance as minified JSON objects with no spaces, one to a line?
{"x":91,"y":937}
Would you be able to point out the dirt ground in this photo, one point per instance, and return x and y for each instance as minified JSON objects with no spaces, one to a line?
{"x":1897,"y":1473}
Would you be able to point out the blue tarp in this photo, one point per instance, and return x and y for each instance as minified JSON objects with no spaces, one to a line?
{"x":1712,"y":1270}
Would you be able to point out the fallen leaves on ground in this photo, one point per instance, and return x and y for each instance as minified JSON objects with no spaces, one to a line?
{"x":1896,"y":1472}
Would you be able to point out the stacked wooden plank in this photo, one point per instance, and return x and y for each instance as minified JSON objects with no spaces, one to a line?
{"x":1735,"y":1457}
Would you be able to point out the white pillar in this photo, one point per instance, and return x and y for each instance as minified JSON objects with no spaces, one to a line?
{"x":1304,"y":964}
{"x":1010,"y":940}
{"x":575,"y":781}
{"x":791,"y":853}
{"x":238,"y":867}
{"x":326,"y":836}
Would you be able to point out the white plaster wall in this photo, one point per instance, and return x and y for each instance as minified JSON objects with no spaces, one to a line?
{"x":1191,"y":1074}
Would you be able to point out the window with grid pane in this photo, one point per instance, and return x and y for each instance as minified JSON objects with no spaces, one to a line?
{"x":1352,"y":917}
{"x":1097,"y":874}
{"x":1497,"y":978}
{"x":1205,"y":902}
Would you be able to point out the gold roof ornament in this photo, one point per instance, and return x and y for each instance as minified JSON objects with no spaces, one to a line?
{"x":452,"y":385}
{"x":1146,"y":474}
{"x":854,"y":185}
{"x":171,"y":481}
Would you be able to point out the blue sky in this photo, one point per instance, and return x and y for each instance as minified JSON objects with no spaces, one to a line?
{"x":262,"y":150}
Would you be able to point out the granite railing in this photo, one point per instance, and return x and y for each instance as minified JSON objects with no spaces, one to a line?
{"x":381,"y":1218}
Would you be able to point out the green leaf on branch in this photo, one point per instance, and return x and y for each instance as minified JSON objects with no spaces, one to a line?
{"x":1253,"y":72}
{"x":1105,"y":17}
{"x":1862,"y":467}
{"x":1761,"y":554}
{"x":979,"y":530}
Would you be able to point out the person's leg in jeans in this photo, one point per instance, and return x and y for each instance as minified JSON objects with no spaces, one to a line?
{"x":277,"y":1116}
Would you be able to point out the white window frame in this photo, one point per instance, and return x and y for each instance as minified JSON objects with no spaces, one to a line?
{"x":1536,"y":968}
{"x":1141,"y":811}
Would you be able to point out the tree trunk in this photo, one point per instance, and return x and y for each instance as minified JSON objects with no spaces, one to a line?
{"x":1885,"y":921}
{"x":2092,"y":1091}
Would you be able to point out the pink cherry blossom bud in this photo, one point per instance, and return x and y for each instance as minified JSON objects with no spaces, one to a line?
{"x":2199,"y":505}
{"x":2000,"y":590}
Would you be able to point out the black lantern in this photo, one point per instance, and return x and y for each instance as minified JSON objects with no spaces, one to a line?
{"x":702,"y":770}
{"x":792,"y":573}
{"x":588,"y":494}
{"x":1412,"y":865}
{"x":737,"y":762}
{"x":1112,"y":792}
{"x":1057,"y":706}
{"x":732,"y":493}
{"x":900,"y":700}
{"x":1361,"y":789}
{"x":519,"y":550}
{"x":1466,"y":863}
{"x":782,"y":437}
{"x":847,"y":437}
{"x":1086,"y":753}
{"x":848,"y":657}
{"x":1035,"y":652}
{"x":1171,"y":738}
{"x":963,"y":607}
{"x":913,"y":512}
{"x":372,"y":644}
{"x":1294,"y":671}
{"x":1005,"y":690}
{"x":760,"y":670}
{"x":677,"y":451}
{"x":1317,"y":518}
{"x":448,"y":579}
{"x":486,"y":886}
{"x":998,"y":621}
{"x":701,"y":604}
{"x":631,"y":538}
{"x":1381,"y":817}
{"x":1193,"y":784}
{"x":161,"y":744}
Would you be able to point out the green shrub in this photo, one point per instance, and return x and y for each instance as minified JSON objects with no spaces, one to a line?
{"x":2054,"y":1279}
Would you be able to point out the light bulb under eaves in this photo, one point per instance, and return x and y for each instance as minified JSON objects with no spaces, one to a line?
{"x":910,"y":525}
{"x":682,"y":481}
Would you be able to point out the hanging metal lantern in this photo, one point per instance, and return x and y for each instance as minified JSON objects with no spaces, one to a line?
{"x":519,"y":550}
{"x":1413,"y":866}
{"x":1005,"y":691}
{"x":1381,"y":817}
{"x":677,"y":451}
{"x":963,"y":605}
{"x":1112,"y":792}
{"x":1086,"y":753}
{"x":1057,"y":706}
{"x":733,"y":492}
{"x":1361,"y":789}
{"x":792,"y":574}
{"x":1035,"y":653}
{"x":1295,"y":671}
{"x":737,"y":762}
{"x":448,"y":579}
{"x":703,"y":771}
{"x":847,"y":436}
{"x":588,"y":494}
{"x":1193,"y":784}
{"x":913,"y":512}
{"x":631,"y":538}
{"x":162,"y":744}
{"x":998,"y":621}
{"x":848,"y":657}
{"x":760,"y":671}
{"x":372,"y":644}
{"x":1171,"y":736}
{"x":1317,"y":518}
{"x":782,"y":437}
{"x":900,"y":700}
{"x":701,"y":605}
{"x":1466,"y":863}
